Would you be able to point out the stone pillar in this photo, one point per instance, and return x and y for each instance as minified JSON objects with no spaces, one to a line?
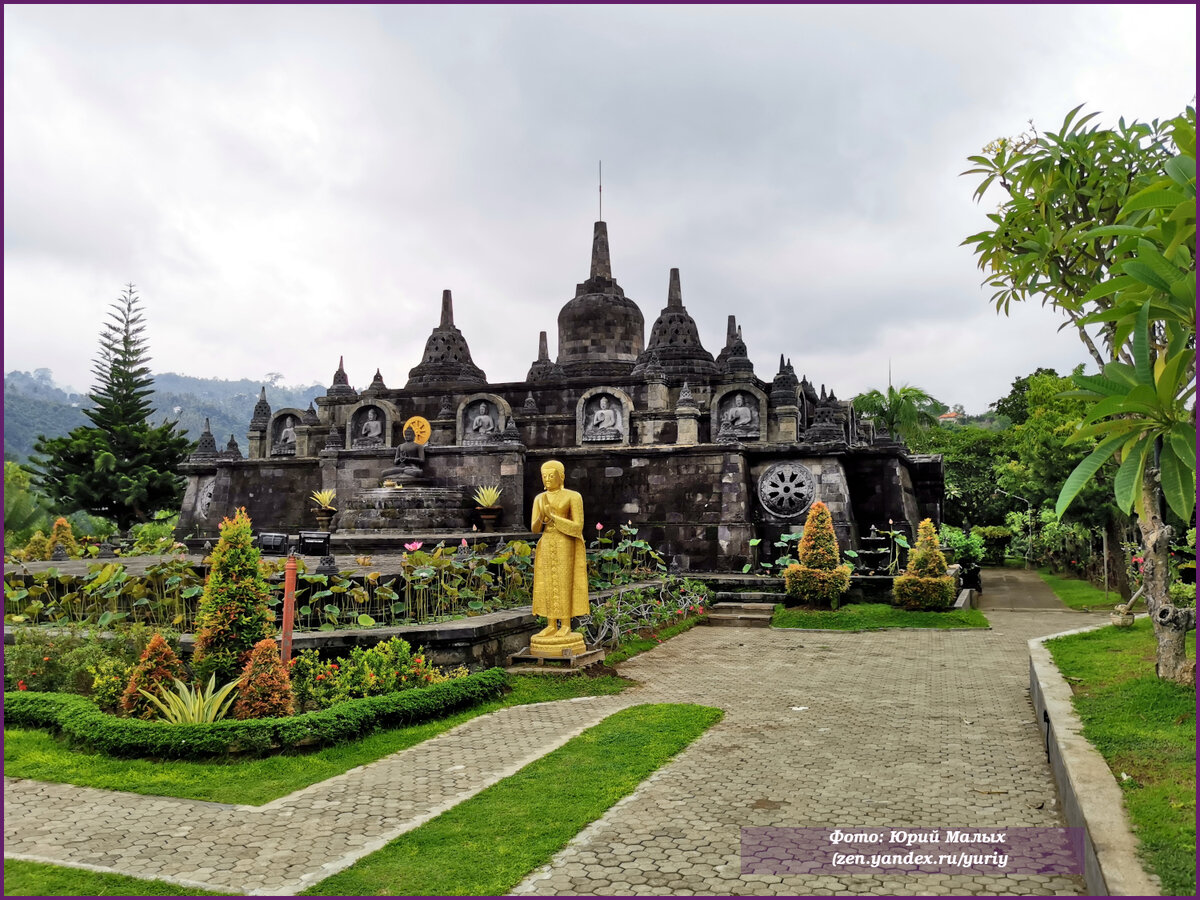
{"x":259,"y":445}
{"x":687,"y":419}
{"x":329,"y":466}
{"x":310,"y":439}
{"x":784,"y":424}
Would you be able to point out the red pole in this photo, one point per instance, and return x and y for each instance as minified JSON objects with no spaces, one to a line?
{"x":289,"y":607}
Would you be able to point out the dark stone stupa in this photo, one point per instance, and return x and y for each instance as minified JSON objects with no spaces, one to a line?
{"x":675,"y":340}
{"x":600,"y":330}
{"x":447,"y":358}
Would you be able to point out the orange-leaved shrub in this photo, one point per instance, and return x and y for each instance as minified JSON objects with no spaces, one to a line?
{"x":265,"y":690}
{"x":925,"y":584}
{"x":62,"y":535}
{"x":233,"y":614}
{"x":817,"y":579}
{"x":155,"y":672}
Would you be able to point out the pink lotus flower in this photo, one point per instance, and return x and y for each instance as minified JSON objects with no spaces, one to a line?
{"x":599,"y":527}
{"x":415,"y":545}
{"x":464,"y":542}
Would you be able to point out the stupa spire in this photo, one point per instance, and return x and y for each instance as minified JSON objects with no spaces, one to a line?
{"x":543,"y":368}
{"x":674,"y":292}
{"x":447,"y":310}
{"x":601,"y":263}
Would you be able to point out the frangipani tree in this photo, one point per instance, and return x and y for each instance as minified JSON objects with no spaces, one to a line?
{"x":1122,"y":257}
{"x":1145,"y":413}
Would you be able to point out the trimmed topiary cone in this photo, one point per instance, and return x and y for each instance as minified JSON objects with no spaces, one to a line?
{"x":819,"y":546}
{"x":925,"y":584}
{"x":265,"y":689}
{"x":818,"y":579}
{"x":927,"y":559}
{"x":156,"y":671}
{"x":233,"y":614}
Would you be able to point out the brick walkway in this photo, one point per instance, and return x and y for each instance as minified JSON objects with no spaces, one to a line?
{"x":912,"y":728}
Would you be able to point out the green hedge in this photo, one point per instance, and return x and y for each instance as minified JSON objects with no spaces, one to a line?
{"x":87,"y":726}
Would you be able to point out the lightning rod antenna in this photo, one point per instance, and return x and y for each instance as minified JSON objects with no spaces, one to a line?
{"x":601,"y":191}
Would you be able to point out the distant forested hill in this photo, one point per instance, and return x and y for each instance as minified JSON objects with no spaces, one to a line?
{"x":34,"y":405}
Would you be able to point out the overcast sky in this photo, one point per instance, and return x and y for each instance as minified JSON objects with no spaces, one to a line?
{"x":287,"y":184}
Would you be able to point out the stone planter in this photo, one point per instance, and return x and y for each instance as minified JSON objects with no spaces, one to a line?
{"x":489,"y":517}
{"x":325,"y":519}
{"x":1121,"y":621}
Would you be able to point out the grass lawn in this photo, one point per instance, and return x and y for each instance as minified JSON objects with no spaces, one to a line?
{"x":1146,"y":729}
{"x":871,"y":616}
{"x":485,"y":845}
{"x":635,"y":645}
{"x":32,"y":753}
{"x":1079,"y":594}
{"x":30,"y":879}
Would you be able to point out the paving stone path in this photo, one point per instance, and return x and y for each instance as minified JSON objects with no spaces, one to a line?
{"x":826,"y":729}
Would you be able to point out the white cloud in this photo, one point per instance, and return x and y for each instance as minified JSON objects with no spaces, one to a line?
{"x":289,"y":184}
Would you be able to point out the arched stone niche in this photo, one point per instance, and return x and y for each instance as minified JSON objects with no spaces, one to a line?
{"x":602,"y":417}
{"x":367,"y":432}
{"x":481,"y":419}
{"x":282,"y":432}
{"x":733,"y":421}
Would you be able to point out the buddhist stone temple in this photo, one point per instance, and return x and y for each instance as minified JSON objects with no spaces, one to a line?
{"x":702,"y":454}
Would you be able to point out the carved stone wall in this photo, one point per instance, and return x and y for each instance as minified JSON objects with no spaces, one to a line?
{"x":602,"y":417}
{"x":727,"y":421}
{"x":481,"y":419}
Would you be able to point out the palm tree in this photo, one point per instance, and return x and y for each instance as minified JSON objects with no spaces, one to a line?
{"x":902,"y":411}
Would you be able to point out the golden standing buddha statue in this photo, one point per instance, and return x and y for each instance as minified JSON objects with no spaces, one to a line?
{"x":560,"y":565}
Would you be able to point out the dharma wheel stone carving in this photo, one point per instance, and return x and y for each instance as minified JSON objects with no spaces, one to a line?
{"x":787,"y":489}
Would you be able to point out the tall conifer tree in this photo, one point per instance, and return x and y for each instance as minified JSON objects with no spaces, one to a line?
{"x":120,"y":467}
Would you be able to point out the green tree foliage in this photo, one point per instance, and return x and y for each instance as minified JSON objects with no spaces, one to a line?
{"x":120,"y":466}
{"x":903,"y":411}
{"x":970,"y":456}
{"x":1042,"y":458}
{"x":818,"y":579}
{"x":28,"y":417}
{"x":1130,"y":270}
{"x":25,"y":511}
{"x":233,"y":614}
{"x":1015,"y":404}
{"x":1061,"y":187}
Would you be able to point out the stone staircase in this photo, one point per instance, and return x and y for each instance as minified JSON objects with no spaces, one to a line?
{"x":743,"y":609}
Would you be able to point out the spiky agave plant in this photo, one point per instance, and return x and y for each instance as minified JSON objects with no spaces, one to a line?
{"x":188,"y":707}
{"x":324,"y":499}
{"x":488,"y":495}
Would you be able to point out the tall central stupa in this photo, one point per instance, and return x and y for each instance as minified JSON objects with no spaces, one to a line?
{"x":600,"y":330}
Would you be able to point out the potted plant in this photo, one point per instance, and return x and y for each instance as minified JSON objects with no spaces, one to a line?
{"x":325,"y":510}
{"x":487,"y":506}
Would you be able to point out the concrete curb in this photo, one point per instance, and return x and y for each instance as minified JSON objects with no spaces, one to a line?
{"x":1091,"y":797}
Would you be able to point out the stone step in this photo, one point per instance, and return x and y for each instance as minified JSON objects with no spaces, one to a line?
{"x":760,"y":608}
{"x":738,"y":620}
{"x":768,"y":597}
